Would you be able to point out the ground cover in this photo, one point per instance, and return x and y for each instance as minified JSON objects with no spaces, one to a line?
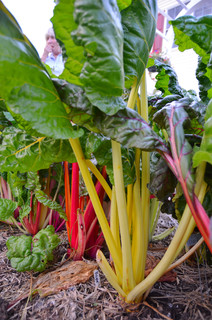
{"x":187,"y":296}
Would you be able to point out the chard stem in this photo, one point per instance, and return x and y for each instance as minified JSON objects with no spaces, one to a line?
{"x":109,"y":273}
{"x":145,"y":194}
{"x":114,"y":226}
{"x":115,"y":253}
{"x":130,"y":206}
{"x":160,"y":269}
{"x":128,"y":281}
{"x":99,"y":177}
{"x":114,"y":219}
{"x":133,"y":95}
{"x":154,"y":215}
{"x":178,"y":240}
{"x":137,"y":227}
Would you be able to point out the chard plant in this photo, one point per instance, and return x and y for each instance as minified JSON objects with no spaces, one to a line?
{"x":106,"y":47}
{"x":28,"y":253}
{"x":27,"y":202}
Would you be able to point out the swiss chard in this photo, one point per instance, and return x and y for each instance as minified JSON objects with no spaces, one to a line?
{"x":27,"y":203}
{"x":86,"y":96}
{"x":27,"y":253}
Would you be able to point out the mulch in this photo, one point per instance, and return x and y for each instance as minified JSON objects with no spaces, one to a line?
{"x":189,"y":297}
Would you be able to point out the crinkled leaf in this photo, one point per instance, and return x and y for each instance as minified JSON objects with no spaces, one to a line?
{"x":194,"y":33}
{"x":18,"y":246}
{"x":204,"y":76}
{"x":32,"y":181}
{"x":100,"y":33}
{"x":109,"y":105}
{"x":16,"y":183}
{"x":126,"y":126}
{"x":25,"y":84}
{"x":45,"y":241}
{"x":139,"y":25}
{"x":196,"y":111}
{"x":7,"y":208}
{"x":43,"y":198}
{"x":22,"y":257}
{"x":193,"y":126}
{"x":167,"y":81}
{"x":24,"y":210}
{"x":22,"y":152}
{"x":161,"y":102}
{"x":28,"y":254}
{"x":35,"y":262}
{"x":205,"y":151}
{"x":93,"y":143}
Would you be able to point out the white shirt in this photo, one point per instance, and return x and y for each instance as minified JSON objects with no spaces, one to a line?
{"x":56,"y":64}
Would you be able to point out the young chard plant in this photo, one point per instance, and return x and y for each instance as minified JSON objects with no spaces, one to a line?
{"x":27,"y":253}
{"x":26,"y":201}
{"x":100,"y":63}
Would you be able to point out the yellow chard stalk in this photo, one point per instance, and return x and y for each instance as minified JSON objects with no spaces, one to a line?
{"x":128,"y":281}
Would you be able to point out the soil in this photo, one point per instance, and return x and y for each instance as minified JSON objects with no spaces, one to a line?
{"x":187,"y":296}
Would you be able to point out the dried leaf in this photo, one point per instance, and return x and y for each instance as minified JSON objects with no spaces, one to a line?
{"x":64,"y":277}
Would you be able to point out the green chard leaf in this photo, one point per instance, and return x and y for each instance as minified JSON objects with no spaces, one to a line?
{"x":27,"y":253}
{"x":139,"y":25}
{"x":100,"y":33}
{"x":7,"y":208}
{"x":24,"y":210}
{"x":26,"y":87}
{"x":22,"y":152}
{"x":204,"y":76}
{"x":161,"y":102}
{"x":122,"y":4}
{"x":126,"y":126}
{"x":46,"y":241}
{"x":167,"y":81}
{"x":16,"y":183}
{"x":196,"y":33}
{"x":79,"y":65}
{"x":43,"y":198}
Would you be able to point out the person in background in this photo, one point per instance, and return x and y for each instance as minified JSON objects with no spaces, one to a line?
{"x":52,"y":55}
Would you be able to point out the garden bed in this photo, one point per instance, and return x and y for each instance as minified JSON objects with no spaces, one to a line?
{"x":189,"y":296}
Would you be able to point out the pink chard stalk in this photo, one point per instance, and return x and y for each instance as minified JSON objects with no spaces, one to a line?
{"x":82,"y":225}
{"x":180,"y":162}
